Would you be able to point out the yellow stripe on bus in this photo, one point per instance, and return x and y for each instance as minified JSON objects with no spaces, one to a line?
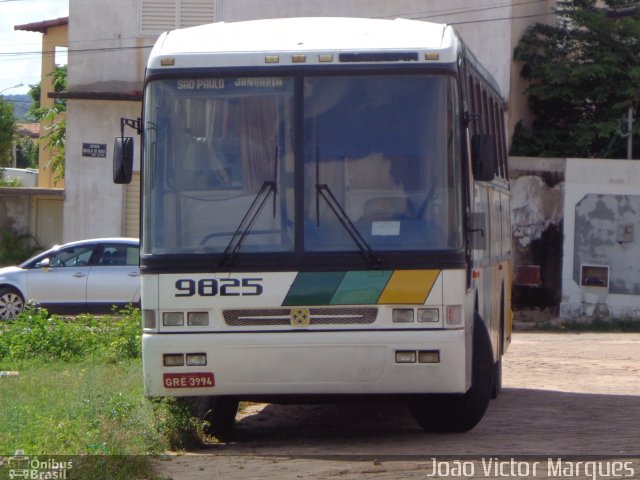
{"x":409,"y":286}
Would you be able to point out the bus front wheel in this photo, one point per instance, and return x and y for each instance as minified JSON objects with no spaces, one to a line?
{"x":455,"y":413}
{"x":218,"y":413}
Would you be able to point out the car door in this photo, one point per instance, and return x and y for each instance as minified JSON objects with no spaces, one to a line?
{"x":114,"y":278}
{"x":59,"y":282}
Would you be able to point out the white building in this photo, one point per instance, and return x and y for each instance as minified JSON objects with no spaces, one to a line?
{"x":601,"y":218}
{"x":108,"y":47}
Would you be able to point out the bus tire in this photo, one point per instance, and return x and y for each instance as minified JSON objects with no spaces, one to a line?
{"x":218,"y":414}
{"x":456,"y":413}
{"x":221,"y":417}
{"x":497,"y":379}
{"x":497,"y":370}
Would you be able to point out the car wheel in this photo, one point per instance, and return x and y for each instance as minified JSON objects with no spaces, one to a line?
{"x":11,"y":303}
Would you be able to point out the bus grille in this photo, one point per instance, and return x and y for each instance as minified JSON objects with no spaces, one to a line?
{"x":317,"y":316}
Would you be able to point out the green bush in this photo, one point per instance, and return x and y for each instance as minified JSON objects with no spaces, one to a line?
{"x":36,"y":335}
{"x":16,"y":247}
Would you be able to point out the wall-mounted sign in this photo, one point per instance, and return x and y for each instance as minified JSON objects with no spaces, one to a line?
{"x":96,"y":150}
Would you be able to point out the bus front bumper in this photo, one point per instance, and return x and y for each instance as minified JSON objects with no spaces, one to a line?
{"x":309,"y":362}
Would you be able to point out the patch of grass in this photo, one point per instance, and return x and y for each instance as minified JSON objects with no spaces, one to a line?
{"x":78,"y":408}
{"x":80,"y":392}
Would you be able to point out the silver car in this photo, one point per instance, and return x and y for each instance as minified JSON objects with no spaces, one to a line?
{"x":89,"y":276}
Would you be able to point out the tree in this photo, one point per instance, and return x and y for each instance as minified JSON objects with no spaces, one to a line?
{"x":57,"y":121}
{"x":7,"y":131}
{"x":26,"y":153}
{"x":584,"y":75}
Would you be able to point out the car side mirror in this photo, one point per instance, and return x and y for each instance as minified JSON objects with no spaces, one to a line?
{"x":483,"y":157}
{"x":123,"y":160}
{"x":45,"y":264}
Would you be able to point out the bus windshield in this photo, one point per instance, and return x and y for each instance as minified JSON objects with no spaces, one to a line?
{"x":378,"y":164}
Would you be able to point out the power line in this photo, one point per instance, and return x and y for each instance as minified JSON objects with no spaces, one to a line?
{"x":505,"y":18}
{"x":459,"y":11}
{"x":11,"y":56}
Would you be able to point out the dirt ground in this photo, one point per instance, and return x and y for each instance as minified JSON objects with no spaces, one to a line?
{"x":565,"y":396}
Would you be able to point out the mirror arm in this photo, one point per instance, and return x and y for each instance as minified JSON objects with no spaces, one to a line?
{"x":136,"y":124}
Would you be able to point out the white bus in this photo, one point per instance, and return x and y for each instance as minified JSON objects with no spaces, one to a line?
{"x":325,"y":213}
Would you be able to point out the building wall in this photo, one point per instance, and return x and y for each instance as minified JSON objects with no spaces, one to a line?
{"x":37,"y":211}
{"x":600,"y":272}
{"x":106,"y":56}
{"x":537,"y":187}
{"x":106,"y":52}
{"x":54,"y":37}
{"x":94,"y":205}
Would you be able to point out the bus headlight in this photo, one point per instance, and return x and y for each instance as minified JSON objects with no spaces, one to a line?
{"x":429,"y":356}
{"x":198,"y":319}
{"x":196,"y":359}
{"x":173,"y":319}
{"x":173,"y":359}
{"x":428,"y":315}
{"x":405,"y":356}
{"x":402,"y":315}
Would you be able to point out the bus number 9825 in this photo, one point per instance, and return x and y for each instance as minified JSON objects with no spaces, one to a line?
{"x":210,"y":287}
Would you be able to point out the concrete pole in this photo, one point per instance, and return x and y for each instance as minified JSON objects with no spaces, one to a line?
{"x":630,"y":134}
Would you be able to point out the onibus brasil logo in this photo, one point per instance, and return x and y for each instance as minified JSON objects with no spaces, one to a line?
{"x":35,"y":468}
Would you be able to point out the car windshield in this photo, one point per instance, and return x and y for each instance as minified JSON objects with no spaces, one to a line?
{"x":378,"y":164}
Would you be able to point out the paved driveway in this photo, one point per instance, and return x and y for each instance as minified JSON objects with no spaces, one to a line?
{"x":565,"y":395}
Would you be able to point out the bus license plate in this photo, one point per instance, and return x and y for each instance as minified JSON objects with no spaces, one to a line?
{"x":188,"y":380}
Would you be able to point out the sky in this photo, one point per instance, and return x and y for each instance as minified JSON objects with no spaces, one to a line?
{"x":20,"y":52}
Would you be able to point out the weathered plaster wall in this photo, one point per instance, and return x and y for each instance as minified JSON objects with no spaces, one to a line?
{"x":607,"y":234}
{"x":15,"y":211}
{"x":537,"y":213}
{"x":36,"y":211}
{"x":602,"y":227}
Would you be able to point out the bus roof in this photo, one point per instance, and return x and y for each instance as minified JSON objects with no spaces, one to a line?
{"x":312,"y":40}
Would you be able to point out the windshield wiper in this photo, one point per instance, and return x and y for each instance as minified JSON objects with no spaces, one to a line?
{"x":268,"y":187}
{"x":323,"y":190}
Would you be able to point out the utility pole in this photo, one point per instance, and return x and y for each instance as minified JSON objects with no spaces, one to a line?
{"x":630,"y":137}
{"x":627,"y":131}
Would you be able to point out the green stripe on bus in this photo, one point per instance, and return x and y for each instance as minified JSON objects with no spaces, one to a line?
{"x":313,"y":288}
{"x":361,"y":288}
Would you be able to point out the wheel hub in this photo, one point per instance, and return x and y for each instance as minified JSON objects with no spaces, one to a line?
{"x":10,"y":306}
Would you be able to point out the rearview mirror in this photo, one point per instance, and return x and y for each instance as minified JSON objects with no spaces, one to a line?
{"x":123,"y":160}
